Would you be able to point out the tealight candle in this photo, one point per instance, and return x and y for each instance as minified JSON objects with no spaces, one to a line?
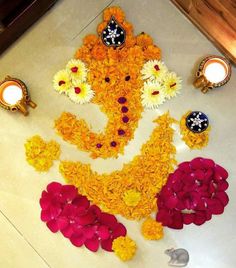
{"x":14,"y":95}
{"x":214,"y":71}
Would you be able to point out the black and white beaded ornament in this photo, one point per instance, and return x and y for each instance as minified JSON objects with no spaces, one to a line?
{"x":197,"y":122}
{"x":113,"y":35}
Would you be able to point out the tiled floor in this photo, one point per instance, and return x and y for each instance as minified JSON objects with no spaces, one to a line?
{"x":44,"y":49}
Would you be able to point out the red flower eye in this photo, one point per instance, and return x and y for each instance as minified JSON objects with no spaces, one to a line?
{"x":74,"y":69}
{"x":77,"y":90}
{"x":61,"y":82}
{"x":155,"y":92}
{"x":156,"y":67}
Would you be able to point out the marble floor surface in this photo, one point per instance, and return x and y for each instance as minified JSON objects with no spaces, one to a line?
{"x":35,"y":57}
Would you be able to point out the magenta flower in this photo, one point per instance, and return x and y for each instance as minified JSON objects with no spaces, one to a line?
{"x":64,"y":210}
{"x":192,"y":194}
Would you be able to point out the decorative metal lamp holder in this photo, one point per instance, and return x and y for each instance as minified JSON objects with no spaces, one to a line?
{"x":14,"y":95}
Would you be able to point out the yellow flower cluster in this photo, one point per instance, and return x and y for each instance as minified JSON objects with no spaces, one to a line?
{"x":131,"y":191}
{"x":193,"y":140}
{"x":113,"y":74}
{"x":124,"y":247}
{"x":151,"y":229}
{"x":41,"y":154}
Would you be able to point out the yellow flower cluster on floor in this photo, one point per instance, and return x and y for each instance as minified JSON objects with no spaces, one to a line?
{"x":41,"y":154}
{"x":193,"y":140}
{"x":115,"y":77}
{"x":124,"y":247}
{"x":131,"y":191}
{"x":151,"y":229}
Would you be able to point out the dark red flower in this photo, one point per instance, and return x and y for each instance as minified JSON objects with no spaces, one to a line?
{"x":64,"y":210}
{"x":193,"y":193}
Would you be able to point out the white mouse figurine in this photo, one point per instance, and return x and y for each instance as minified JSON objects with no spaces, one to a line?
{"x":179,"y":257}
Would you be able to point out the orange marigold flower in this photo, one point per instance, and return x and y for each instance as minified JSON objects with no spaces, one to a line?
{"x":152,"y":52}
{"x":151,"y":229}
{"x":83,"y":54}
{"x":99,"y":52}
{"x":101,"y":27}
{"x":144,"y":40}
{"x":117,"y":12}
{"x":128,"y":27}
{"x":90,"y":40}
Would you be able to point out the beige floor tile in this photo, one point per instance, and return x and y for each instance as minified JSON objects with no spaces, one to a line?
{"x":45,"y":49}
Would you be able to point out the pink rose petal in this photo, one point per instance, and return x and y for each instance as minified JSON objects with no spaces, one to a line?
{"x":185,"y":166}
{"x":92,"y":244}
{"x":54,"y":211}
{"x":107,"y":244}
{"x":45,"y":215}
{"x":54,"y":187}
{"x":68,"y":192}
{"x":103,"y":232}
{"x":62,"y":223}
{"x":81,"y":201}
{"x":89,"y":231}
{"x":53,"y":226}
{"x":86,"y":219}
{"x":222,"y":186}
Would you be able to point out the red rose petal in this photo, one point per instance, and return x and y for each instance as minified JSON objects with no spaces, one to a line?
{"x":222,"y":186}
{"x":53,"y":226}
{"x":120,"y":230}
{"x":77,"y":240}
{"x":103,"y":232}
{"x":171,"y":202}
{"x":185,"y":166}
{"x":223,"y":197}
{"x":62,"y":223}
{"x":196,"y":163}
{"x":86,"y":219}
{"x":69,"y":192}
{"x":54,"y":211}
{"x":108,"y":220}
{"x":220,"y":173}
{"x":107,"y":244}
{"x":208,"y":163}
{"x":164,"y":217}
{"x":89,"y":231}
{"x":188,"y":218}
{"x":92,"y":244}
{"x":81,"y":201}
{"x":215,"y":206}
{"x":200,"y":218}
{"x":68,"y":231}
{"x":45,"y":215}
{"x":54,"y":187}
{"x":95,"y":210}
{"x":177,"y":221}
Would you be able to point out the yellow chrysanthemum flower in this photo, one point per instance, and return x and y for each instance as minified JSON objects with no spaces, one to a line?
{"x":81,"y":92}
{"x":151,"y":229}
{"x":132,"y":198}
{"x":41,"y":154}
{"x":61,"y":81}
{"x":77,"y":70}
{"x":172,"y":85}
{"x":124,"y":247}
{"x":152,"y":94}
{"x":154,"y":70}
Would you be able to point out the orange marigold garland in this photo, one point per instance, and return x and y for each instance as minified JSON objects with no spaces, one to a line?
{"x":130,"y":192}
{"x":193,"y":140}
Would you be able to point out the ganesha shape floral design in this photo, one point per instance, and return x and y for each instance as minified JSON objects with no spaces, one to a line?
{"x":111,"y":77}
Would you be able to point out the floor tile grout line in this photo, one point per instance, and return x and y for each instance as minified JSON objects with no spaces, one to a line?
{"x":91,"y":21}
{"x":25,"y":239}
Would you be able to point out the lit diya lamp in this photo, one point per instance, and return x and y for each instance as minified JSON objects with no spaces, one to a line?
{"x":14,"y":95}
{"x":213,"y":71}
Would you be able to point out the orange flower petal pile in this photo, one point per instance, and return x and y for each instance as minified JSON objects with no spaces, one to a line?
{"x":193,"y":140}
{"x":144,"y":175}
{"x":113,"y":73}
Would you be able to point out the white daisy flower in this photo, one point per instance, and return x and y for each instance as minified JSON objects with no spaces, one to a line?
{"x":172,"y":85}
{"x":81,"y":92}
{"x":154,"y":70}
{"x":77,"y":70}
{"x":152,"y":94}
{"x":61,"y":81}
